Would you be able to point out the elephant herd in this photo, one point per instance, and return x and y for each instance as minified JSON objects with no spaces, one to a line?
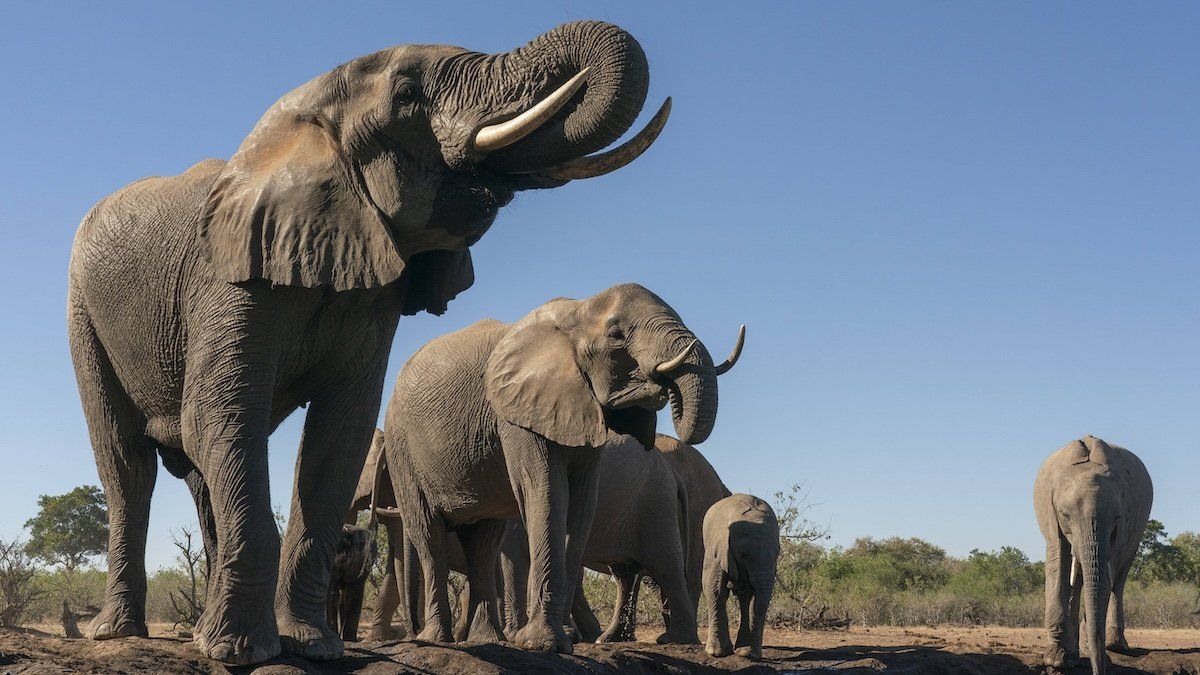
{"x":204,"y":308}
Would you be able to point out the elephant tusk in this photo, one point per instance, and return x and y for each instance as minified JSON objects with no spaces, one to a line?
{"x":607,"y":162}
{"x":495,"y":136}
{"x":666,"y":367}
{"x":387,"y":511}
{"x":737,"y":352}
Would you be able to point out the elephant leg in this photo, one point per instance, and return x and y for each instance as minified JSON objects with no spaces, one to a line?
{"x":225,"y":429}
{"x":388,"y":598}
{"x":679,"y":614}
{"x":127,"y":464}
{"x":1057,"y":608}
{"x":716,"y":591}
{"x":539,"y":476}
{"x":411,"y":576}
{"x":743,"y":596}
{"x":333,"y":449}
{"x":514,"y":572}
{"x":1115,"y":631}
{"x":583,"y":478}
{"x":204,"y":514}
{"x":427,"y":536}
{"x":351,"y":609}
{"x":481,"y":548}
{"x":586,"y":626}
{"x":624,"y":620}
{"x":462,"y":624}
{"x":762,"y":585}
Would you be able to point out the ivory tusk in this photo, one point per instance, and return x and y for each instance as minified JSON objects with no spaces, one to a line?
{"x":607,"y":162}
{"x":496,"y":136}
{"x":666,"y":367}
{"x":737,"y":352}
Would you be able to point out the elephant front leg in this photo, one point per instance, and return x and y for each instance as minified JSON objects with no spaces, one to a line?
{"x":333,"y":449}
{"x":538,"y":474}
{"x":1114,"y":638}
{"x":1061,"y":650}
{"x":238,"y":625}
{"x":716,"y":592}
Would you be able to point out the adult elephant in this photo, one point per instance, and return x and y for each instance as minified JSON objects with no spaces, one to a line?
{"x":500,"y":420}
{"x":204,"y":308}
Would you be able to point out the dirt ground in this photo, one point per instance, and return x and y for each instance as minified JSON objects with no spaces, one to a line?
{"x":946,"y":649}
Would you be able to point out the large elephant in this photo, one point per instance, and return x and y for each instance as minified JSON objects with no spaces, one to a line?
{"x":1092,"y":502}
{"x":204,"y":308}
{"x":497,"y":421}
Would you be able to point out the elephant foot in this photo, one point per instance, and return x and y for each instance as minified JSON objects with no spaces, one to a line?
{"x":754,"y":653}
{"x":1116,"y":642}
{"x":678,"y":638}
{"x":309,"y":640}
{"x":615,"y":634}
{"x":229,"y":642}
{"x":718,"y":648}
{"x":116,"y":620}
{"x":1059,"y":658}
{"x":434,"y":631}
{"x":543,"y":638}
{"x":382,"y":632}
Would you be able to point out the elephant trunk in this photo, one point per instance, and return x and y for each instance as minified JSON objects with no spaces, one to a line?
{"x":1093,"y":557}
{"x":615,"y":90}
{"x":692,"y":388}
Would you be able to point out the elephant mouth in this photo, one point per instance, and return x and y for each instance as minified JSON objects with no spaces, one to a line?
{"x":648,"y":396}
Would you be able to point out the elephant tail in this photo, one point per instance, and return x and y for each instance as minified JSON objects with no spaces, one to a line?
{"x":681,"y":521}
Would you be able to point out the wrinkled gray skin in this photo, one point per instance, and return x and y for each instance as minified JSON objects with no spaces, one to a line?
{"x":352,"y":561}
{"x":1092,"y":502}
{"x":204,"y":308}
{"x":741,"y":547}
{"x":497,"y":421}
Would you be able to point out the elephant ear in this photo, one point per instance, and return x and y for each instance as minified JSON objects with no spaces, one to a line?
{"x":533,"y":381}
{"x":289,"y":207}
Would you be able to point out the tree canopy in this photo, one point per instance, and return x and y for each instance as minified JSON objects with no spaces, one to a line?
{"x":69,"y":528}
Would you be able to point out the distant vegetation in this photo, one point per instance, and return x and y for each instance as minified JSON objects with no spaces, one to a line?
{"x":893,"y":581}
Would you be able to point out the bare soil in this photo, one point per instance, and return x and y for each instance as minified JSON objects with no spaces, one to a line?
{"x":933,"y":650}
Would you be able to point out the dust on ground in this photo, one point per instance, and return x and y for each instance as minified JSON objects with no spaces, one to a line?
{"x":933,"y":650}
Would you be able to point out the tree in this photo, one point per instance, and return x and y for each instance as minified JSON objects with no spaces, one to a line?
{"x":18,"y":587}
{"x":69,"y":528}
{"x":187,"y":600}
{"x":1158,"y":559}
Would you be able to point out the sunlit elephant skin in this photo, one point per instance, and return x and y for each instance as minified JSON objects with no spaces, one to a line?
{"x":741,"y":548}
{"x":1092,"y":502}
{"x":497,"y":421}
{"x":206,"y":307}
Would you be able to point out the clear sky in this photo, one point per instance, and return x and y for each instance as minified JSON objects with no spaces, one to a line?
{"x":960,"y":234}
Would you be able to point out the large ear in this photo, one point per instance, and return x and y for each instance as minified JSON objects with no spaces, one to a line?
{"x":290,"y":208}
{"x":533,"y":381}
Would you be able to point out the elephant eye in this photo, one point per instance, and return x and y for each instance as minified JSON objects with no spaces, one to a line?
{"x":406,"y":91}
{"x":616,"y":334}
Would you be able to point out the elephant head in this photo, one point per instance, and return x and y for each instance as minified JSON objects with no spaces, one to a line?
{"x":1089,"y":507}
{"x":574,"y":371}
{"x":388,"y":167}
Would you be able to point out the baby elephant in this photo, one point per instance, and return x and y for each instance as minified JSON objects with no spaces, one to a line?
{"x":352,"y":563}
{"x":1092,"y":502}
{"x":741,"y":545}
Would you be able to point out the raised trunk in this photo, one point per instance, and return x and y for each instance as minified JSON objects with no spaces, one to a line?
{"x":606,"y":108}
{"x":693,"y":391}
{"x":1096,"y":588}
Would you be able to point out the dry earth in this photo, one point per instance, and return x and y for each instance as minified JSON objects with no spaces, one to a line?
{"x":946,"y":649}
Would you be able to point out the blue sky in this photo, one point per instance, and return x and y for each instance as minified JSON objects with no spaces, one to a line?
{"x":960,"y":234}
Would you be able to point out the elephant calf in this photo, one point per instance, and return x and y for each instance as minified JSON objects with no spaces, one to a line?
{"x":1092,"y":502}
{"x":353,"y":559}
{"x":741,"y":546}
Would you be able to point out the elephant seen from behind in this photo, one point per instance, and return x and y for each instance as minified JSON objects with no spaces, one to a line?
{"x":1092,"y":502}
{"x":499,"y":421}
{"x":741,"y":548}
{"x":204,"y":308}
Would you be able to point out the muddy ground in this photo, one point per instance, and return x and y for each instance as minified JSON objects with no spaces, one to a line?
{"x":949,"y":649}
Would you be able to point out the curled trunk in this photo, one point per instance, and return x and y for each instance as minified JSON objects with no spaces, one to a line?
{"x":615,"y":91}
{"x":693,"y":391}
